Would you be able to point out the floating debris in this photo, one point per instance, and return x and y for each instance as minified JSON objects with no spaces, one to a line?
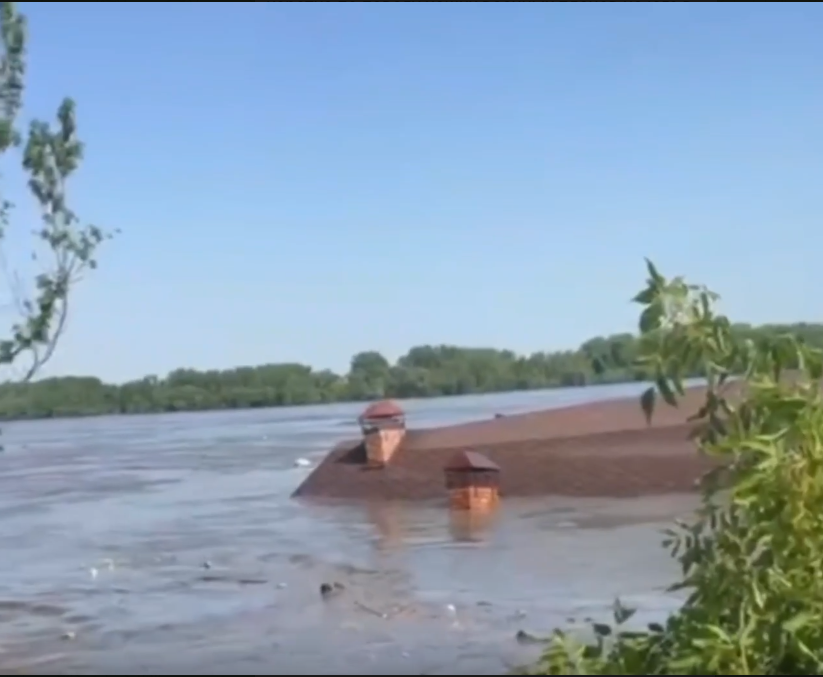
{"x":368,"y":609}
{"x":302,"y":463}
{"x":330,"y":589}
{"x":227,"y":578}
{"x":524,"y":637}
{"x":252,"y":581}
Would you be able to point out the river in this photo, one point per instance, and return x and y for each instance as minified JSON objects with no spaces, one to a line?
{"x":169,"y":544}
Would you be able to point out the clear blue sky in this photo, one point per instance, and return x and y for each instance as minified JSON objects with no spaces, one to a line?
{"x":301,"y":181}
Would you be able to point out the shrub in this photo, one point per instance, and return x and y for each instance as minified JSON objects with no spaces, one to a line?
{"x":752,"y":556}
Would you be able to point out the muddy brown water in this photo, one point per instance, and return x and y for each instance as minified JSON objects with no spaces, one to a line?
{"x":168,"y":544}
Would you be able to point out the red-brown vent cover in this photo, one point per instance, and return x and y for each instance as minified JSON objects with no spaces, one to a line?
{"x":471,"y":460}
{"x":382,"y":409}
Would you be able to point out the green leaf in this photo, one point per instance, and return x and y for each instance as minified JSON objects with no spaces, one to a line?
{"x":601,"y":629}
{"x":814,"y":364}
{"x":666,"y":391}
{"x":685,"y":665}
{"x":647,"y":402}
{"x":646,"y":296}
{"x":622,"y":613}
{"x":656,"y":277}
{"x":651,"y":317}
{"x":705,"y":305}
{"x":799,"y":620}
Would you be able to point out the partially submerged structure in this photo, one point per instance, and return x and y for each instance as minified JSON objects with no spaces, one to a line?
{"x":473,"y":481}
{"x":599,"y":449}
{"x":383,"y":425}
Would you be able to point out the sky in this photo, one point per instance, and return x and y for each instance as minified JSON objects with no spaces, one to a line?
{"x":304,"y":181}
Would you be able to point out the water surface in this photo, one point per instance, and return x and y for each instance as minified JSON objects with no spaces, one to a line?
{"x":168,"y":544}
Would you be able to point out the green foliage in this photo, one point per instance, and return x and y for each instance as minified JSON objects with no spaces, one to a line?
{"x":752,"y":557}
{"x":424,"y":371}
{"x":51,"y":154}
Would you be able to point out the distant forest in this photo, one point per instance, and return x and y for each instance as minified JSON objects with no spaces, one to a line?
{"x":425,"y":371}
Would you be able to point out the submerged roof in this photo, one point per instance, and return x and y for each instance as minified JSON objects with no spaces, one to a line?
{"x":595,"y":449}
{"x":471,"y":460}
{"x":592,"y":418}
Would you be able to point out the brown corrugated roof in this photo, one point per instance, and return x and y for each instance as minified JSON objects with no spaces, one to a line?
{"x":600,"y":449}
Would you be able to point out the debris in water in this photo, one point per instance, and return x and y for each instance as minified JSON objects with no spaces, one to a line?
{"x":329,"y":589}
{"x":206,"y":564}
{"x":374,"y":612}
{"x":524,"y":637}
{"x":302,"y":463}
{"x":69,"y":635}
{"x":282,"y":586}
{"x":108,"y":564}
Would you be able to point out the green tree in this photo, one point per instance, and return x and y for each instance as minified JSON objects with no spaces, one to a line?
{"x":752,"y":557}
{"x":425,"y":371}
{"x":64,"y":249}
{"x":368,"y":375}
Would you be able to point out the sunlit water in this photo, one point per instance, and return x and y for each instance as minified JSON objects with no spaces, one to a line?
{"x":169,"y":544}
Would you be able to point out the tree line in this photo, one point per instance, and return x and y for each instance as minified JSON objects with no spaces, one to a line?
{"x":425,"y":371}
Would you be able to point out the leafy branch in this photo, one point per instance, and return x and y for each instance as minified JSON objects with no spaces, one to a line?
{"x":51,"y":154}
{"x":751,"y":559}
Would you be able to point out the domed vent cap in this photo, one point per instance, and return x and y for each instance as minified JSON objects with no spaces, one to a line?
{"x":471,"y":461}
{"x":382,"y":409}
